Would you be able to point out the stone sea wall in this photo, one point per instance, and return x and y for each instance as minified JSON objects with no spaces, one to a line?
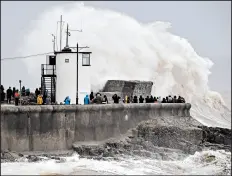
{"x":57,"y":127}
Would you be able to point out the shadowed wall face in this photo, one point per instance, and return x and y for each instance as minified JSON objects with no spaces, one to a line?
{"x":47,"y":128}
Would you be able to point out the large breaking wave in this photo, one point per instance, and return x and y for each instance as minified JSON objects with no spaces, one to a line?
{"x":124,"y":48}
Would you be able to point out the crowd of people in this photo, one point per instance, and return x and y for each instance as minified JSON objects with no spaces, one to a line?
{"x":45,"y":99}
{"x":151,"y":99}
{"x":25,"y":96}
{"x":98,"y":99}
{"x":11,"y":94}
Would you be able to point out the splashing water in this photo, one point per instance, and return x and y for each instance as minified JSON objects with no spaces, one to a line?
{"x":191,"y":165}
{"x":125,"y":49}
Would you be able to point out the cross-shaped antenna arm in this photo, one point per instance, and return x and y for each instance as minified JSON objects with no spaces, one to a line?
{"x":76,"y":30}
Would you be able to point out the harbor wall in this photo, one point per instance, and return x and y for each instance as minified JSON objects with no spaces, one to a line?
{"x":57,"y":127}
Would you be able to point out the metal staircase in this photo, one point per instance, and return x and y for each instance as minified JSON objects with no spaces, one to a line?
{"x":48,"y":81}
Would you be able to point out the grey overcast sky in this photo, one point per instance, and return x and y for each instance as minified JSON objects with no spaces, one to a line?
{"x":206,"y":25}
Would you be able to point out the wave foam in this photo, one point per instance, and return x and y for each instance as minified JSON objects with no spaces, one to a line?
{"x":191,"y":165}
{"x":124,"y":48}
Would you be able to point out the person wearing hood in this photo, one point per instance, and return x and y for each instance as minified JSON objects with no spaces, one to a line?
{"x":86,"y":100}
{"x":126,"y":99}
{"x":39,"y":100}
{"x":67,"y":100}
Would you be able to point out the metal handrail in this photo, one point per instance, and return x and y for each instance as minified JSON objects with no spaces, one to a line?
{"x":45,"y":68}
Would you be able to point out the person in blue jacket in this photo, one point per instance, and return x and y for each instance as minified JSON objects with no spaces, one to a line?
{"x":86,"y":100}
{"x":67,"y":101}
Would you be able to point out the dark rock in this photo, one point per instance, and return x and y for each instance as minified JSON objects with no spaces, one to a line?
{"x":216,"y":135}
{"x":55,"y":158}
{"x":20,"y":155}
{"x":10,"y":156}
{"x":33,"y":158}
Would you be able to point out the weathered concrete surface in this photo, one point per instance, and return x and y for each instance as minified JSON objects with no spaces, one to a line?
{"x":161,"y":138}
{"x":56,"y":127}
{"x":129,"y":88}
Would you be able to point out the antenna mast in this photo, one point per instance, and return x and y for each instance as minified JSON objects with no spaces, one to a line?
{"x":61,"y":23}
{"x":67,"y":34}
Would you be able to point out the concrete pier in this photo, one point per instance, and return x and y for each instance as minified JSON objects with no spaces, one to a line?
{"x":57,"y":127}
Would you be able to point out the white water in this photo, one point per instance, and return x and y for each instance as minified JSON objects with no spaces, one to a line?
{"x":191,"y":165}
{"x":123,"y":48}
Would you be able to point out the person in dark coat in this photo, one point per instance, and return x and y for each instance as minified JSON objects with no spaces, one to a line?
{"x":116,"y":98}
{"x":23,"y":91}
{"x":151,"y":99}
{"x":27,"y":92}
{"x":9,"y":94}
{"x":14,"y":90}
{"x":141,"y":99}
{"x":164,"y":100}
{"x":147,"y":100}
{"x":91,"y":96}
{"x":36,"y":92}
{"x":2,"y":93}
{"x":135,"y":99}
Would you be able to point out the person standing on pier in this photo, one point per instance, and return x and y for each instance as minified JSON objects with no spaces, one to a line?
{"x":91,"y":96}
{"x":9,"y":94}
{"x":39,"y":100}
{"x":16,"y":98}
{"x":86,"y":100}
{"x":67,"y":100}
